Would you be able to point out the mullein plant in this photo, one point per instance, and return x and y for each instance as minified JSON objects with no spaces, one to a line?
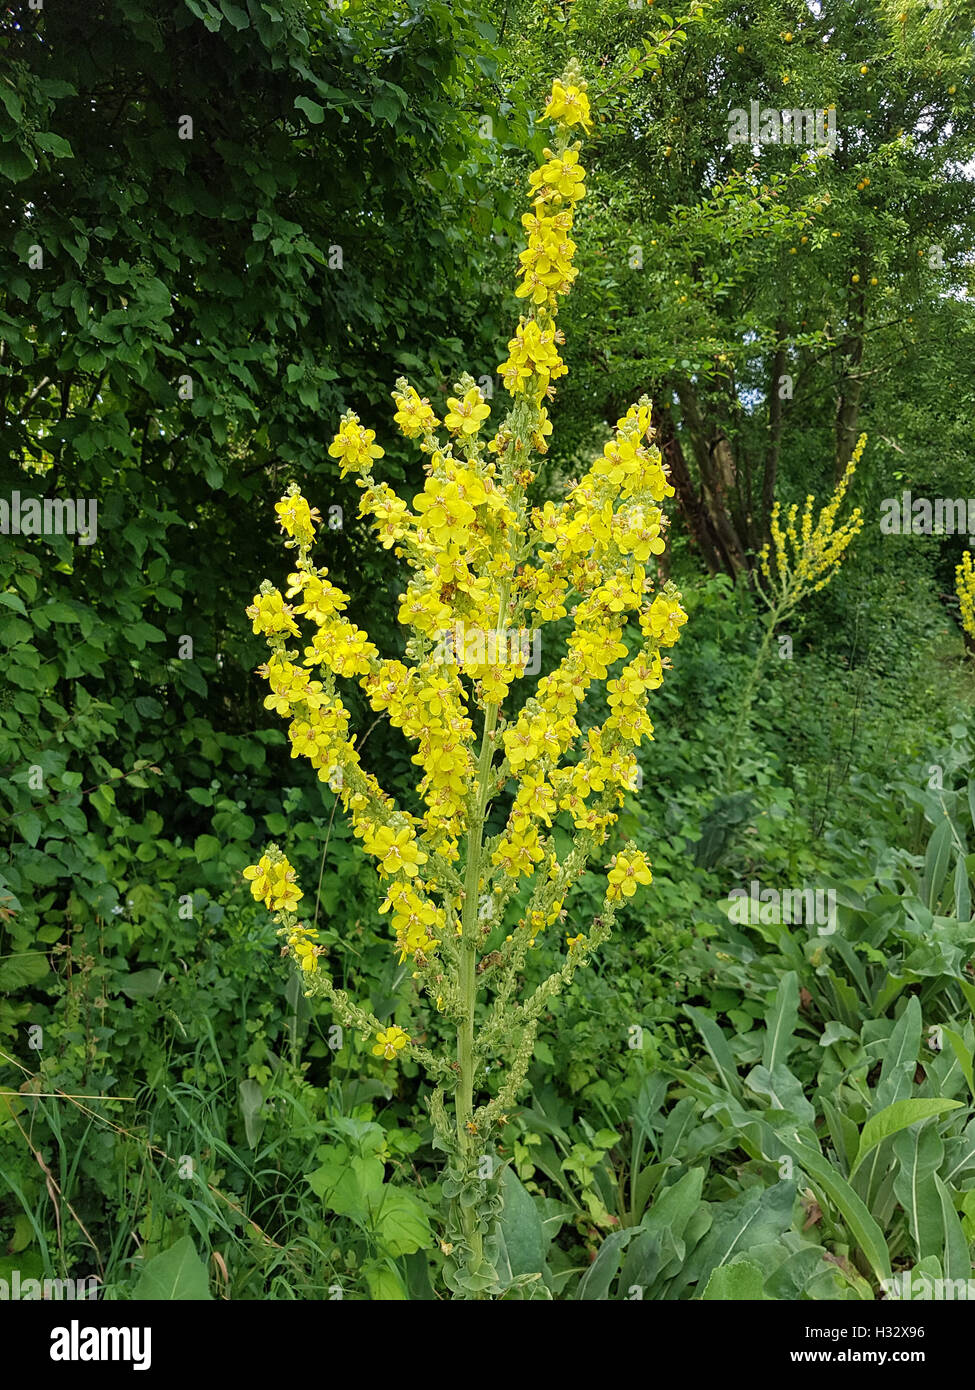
{"x":485,"y":569}
{"x":797,"y":561}
{"x":965,"y":589}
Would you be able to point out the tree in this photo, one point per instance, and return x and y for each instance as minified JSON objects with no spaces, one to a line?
{"x":221,"y":222}
{"x":764,"y":291}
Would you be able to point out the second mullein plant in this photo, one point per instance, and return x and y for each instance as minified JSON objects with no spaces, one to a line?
{"x":485,"y":569}
{"x":797,"y":562}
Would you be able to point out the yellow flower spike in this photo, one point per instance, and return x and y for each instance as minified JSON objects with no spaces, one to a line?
{"x":805,"y":561}
{"x":807,"y":558}
{"x":965,"y":588}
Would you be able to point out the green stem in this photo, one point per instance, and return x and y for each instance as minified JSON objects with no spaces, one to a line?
{"x":467,"y":983}
{"x":732,"y":754}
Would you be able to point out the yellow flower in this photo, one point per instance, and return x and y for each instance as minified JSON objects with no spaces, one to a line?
{"x":802,"y":558}
{"x":270,"y":614}
{"x":396,"y":851}
{"x":390,"y":1042}
{"x":296,"y":517}
{"x":532,"y":354}
{"x":259,"y":875}
{"x":285,"y":893}
{"x":481,"y":569}
{"x":446,"y":513}
{"x":414,"y":414}
{"x":560,"y":178}
{"x":626,"y":874}
{"x":465,"y":416}
{"x":272,"y":881}
{"x":568,"y":105}
{"x":302,"y":941}
{"x":518,"y":851}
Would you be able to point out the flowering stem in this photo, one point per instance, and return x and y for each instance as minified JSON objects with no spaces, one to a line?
{"x":467,"y":984}
{"x":733,"y":753}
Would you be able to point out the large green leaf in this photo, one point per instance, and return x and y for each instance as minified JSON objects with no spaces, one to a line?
{"x":755,"y":1218}
{"x":142,"y":984}
{"x":349,"y":1184}
{"x":18,"y":971}
{"x":963,"y":891}
{"x":401,"y":1221}
{"x":595,"y":1283}
{"x":936,"y":862}
{"x":664,"y":1236}
{"x":742,"y":1282}
{"x":717,"y":1045}
{"x":964,"y":1054}
{"x":823,"y":1176}
{"x":919,"y":1152}
{"x":900,"y":1058}
{"x":253,"y":1111}
{"x":780,"y":1023}
{"x":897,"y":1117}
{"x":521,"y":1227}
{"x":174,"y":1274}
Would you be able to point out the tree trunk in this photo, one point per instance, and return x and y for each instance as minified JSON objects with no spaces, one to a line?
{"x":851,"y":389}
{"x":776,"y":420}
{"x":691,"y":507}
{"x":718,"y":476}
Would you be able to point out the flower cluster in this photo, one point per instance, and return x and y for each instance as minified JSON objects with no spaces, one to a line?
{"x":627,"y":872}
{"x":272,"y":881}
{"x":568,"y":104}
{"x":806,"y":556}
{"x":965,"y":588}
{"x":480,"y":559}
